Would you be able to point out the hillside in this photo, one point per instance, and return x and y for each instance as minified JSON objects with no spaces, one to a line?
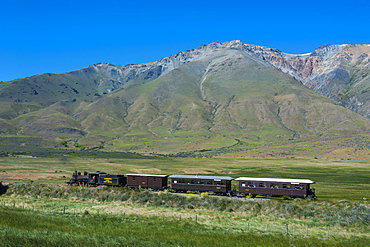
{"x":216,"y":96}
{"x":340,"y":72}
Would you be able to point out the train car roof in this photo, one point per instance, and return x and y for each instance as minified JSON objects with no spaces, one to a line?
{"x":278,"y":180}
{"x":201,"y":177}
{"x":147,"y":175}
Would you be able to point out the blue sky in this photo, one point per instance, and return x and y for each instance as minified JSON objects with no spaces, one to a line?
{"x":59,"y":36}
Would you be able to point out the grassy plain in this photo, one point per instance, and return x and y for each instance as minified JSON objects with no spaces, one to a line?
{"x":335,"y":180}
{"x":65,"y":215}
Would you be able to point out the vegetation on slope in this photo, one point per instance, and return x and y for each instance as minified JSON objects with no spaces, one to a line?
{"x":213,"y":102}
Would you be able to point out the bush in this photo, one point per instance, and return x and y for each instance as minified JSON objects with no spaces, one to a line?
{"x":347,"y":214}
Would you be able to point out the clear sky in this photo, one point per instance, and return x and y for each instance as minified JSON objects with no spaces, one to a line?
{"x":55,"y":36}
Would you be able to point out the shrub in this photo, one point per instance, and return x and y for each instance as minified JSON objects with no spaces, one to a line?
{"x":343,"y":214}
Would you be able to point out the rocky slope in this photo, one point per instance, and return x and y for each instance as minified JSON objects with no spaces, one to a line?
{"x":340,"y":72}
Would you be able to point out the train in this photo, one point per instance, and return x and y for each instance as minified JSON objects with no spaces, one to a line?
{"x":218,"y":185}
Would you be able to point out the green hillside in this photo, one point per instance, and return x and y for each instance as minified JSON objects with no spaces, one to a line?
{"x":225,"y":99}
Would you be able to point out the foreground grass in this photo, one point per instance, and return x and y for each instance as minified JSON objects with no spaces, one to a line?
{"x":339,"y":218}
{"x":21,"y":227}
{"x":146,"y":218}
{"x":349,"y":214}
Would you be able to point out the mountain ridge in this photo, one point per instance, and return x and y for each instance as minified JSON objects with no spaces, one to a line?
{"x":214,"y":96}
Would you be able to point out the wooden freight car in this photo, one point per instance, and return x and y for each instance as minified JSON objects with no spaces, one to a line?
{"x":217,"y":184}
{"x":276,"y":187}
{"x":147,"y":181}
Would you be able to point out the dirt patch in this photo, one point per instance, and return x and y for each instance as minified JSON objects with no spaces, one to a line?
{"x":348,"y":153}
{"x":31,"y":175}
{"x":112,"y":164}
{"x":287,"y":97}
{"x":146,"y":170}
{"x":193,"y":171}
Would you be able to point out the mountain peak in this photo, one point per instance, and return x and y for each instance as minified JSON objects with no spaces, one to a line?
{"x":327,"y":51}
{"x":233,"y":43}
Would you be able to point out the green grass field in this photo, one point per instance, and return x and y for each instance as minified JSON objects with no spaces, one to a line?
{"x":108,"y":230}
{"x":65,"y":215}
{"x":335,"y":180}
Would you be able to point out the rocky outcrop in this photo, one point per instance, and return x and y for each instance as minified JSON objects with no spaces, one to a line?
{"x":340,"y":72}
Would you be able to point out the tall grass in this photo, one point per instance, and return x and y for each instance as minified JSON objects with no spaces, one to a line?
{"x":29,"y":228}
{"x":341,"y":214}
{"x":349,"y":214}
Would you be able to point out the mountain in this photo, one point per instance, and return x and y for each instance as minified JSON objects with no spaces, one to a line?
{"x":340,"y":72}
{"x":215,"y":96}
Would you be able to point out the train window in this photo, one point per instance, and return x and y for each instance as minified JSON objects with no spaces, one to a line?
{"x":209,"y":182}
{"x":243,"y":184}
{"x":192,"y":181}
{"x":286,"y":186}
{"x":220,"y":183}
{"x":299,"y":187}
{"x":175,"y":181}
{"x":274,"y":186}
{"x":262,"y":185}
{"x":154,"y":179}
{"x":133,"y":178}
{"x":251,"y":185}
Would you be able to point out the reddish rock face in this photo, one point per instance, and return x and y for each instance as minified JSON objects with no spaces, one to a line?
{"x":339,"y":72}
